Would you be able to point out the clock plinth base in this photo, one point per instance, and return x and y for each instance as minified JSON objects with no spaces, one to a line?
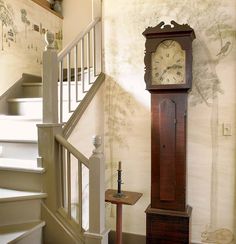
{"x":167,"y":226}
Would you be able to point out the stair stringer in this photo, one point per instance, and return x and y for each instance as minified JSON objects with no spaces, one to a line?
{"x":55,"y":230}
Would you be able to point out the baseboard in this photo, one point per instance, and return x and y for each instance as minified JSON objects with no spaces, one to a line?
{"x":129,"y":238}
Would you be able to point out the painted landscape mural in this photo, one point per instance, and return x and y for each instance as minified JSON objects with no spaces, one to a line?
{"x":212,"y":103}
{"x":22,"y":28}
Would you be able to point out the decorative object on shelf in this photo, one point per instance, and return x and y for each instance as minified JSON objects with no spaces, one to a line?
{"x":57,"y":6}
{"x":51,"y":2}
{"x":49,"y":39}
{"x":119,"y":193}
{"x":168,"y":77}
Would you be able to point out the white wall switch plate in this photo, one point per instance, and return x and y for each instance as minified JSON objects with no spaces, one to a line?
{"x":227,"y":129}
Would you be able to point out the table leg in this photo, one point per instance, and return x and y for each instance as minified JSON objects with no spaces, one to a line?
{"x":119,"y":223}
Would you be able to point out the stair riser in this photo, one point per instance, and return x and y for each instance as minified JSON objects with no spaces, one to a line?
{"x":24,"y":181}
{"x":33,"y":109}
{"x":19,"y":150}
{"x":10,"y":130}
{"x":35,"y":237}
{"x":20,"y":212}
{"x":32,"y":91}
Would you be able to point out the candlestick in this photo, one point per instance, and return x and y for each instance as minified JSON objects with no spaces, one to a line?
{"x":119,"y":182}
{"x":119,"y":168}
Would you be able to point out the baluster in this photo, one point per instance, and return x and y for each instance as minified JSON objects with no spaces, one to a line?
{"x":61,"y":91}
{"x":94,"y":52}
{"x":69,"y":183}
{"x":69,"y":81}
{"x":97,"y":12}
{"x":80,"y":193}
{"x":88,"y":57}
{"x":82,"y":64}
{"x":63,"y":175}
{"x":76,"y":73}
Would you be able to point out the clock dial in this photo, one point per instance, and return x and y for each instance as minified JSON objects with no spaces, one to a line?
{"x":168,"y":64}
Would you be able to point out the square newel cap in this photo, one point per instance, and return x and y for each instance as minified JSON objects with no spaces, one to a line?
{"x":129,"y":197}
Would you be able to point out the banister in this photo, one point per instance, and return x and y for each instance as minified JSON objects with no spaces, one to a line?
{"x":72,"y":150}
{"x":72,"y":44}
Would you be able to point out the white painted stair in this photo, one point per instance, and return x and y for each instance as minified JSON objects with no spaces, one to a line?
{"x":20,"y":174}
{"x":20,"y":213}
{"x":20,"y":171}
{"x":18,"y":207}
{"x":26,"y":233}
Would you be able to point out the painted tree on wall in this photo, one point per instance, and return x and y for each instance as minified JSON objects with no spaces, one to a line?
{"x":214,"y":29}
{"x":25,"y":20}
{"x":6,"y":18}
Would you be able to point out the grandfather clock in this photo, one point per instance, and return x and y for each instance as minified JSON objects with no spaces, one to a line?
{"x":168,"y":77}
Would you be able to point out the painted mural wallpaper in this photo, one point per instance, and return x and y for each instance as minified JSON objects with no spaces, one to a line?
{"x":212,"y":103}
{"x":22,"y":28}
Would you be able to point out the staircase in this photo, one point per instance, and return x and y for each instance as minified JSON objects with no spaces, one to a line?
{"x":20,"y":171}
{"x":36,"y":158}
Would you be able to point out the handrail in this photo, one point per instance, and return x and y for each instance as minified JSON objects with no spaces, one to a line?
{"x":72,"y":150}
{"x":78,"y":38}
{"x":75,"y":117}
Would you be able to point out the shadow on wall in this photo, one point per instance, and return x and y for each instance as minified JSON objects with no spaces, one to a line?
{"x":119,"y":106}
{"x":127,"y":138}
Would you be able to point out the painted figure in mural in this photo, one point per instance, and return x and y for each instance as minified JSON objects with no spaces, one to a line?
{"x":6,"y":18}
{"x":25,"y":20}
{"x":224,"y":49}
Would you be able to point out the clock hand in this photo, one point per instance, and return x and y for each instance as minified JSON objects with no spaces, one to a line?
{"x":164,"y":71}
{"x":174,"y":66}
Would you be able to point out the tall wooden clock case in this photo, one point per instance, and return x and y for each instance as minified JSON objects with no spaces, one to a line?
{"x":168,"y":77}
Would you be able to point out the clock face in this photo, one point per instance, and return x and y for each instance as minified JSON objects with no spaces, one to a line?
{"x":168,"y":64}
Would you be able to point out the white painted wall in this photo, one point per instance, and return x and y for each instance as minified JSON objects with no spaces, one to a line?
{"x":77,"y":15}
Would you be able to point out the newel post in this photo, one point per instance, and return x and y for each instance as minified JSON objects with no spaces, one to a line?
{"x":97,"y":233}
{"x":97,"y":13}
{"x":50,"y":81}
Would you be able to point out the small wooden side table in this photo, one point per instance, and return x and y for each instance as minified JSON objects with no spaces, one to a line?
{"x":129,"y":198}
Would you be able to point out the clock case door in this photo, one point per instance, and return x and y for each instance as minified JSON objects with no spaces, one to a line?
{"x":184,"y":35}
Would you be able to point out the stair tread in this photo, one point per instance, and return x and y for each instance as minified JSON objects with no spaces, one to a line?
{"x":6,"y":117}
{"x":16,"y":232}
{"x":25,"y":99}
{"x":32,"y":84}
{"x":24,"y":165}
{"x":8,"y":195}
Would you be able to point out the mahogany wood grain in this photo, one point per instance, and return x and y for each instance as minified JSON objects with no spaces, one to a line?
{"x":167,"y":121}
{"x":168,"y":227}
{"x":168,"y":163}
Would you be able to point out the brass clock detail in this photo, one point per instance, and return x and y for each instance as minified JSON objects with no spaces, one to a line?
{"x":168,"y":77}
